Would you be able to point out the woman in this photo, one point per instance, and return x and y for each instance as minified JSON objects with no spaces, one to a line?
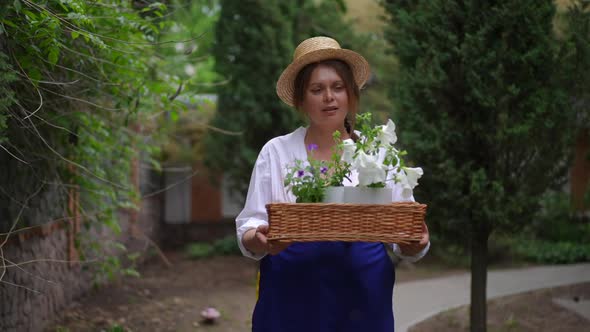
{"x":317,"y":286}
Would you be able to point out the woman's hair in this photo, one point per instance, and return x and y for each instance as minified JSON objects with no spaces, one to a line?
{"x":352,"y":90}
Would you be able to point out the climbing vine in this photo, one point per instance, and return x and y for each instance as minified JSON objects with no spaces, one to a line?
{"x":84,"y":91}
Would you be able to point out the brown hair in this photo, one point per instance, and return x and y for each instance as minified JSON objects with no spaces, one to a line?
{"x":352,"y":89}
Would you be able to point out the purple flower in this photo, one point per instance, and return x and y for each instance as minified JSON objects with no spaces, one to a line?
{"x":323,"y":169}
{"x":300,"y":173}
{"x":312,"y":147}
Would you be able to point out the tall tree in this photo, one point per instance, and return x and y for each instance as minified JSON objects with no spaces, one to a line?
{"x":252,"y":47}
{"x":480,"y":109}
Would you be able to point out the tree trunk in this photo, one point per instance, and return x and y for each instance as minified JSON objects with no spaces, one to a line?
{"x":479,"y":264}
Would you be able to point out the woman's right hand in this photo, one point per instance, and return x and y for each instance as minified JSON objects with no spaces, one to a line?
{"x":255,"y":240}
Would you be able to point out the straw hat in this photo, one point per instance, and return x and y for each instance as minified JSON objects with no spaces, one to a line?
{"x":314,"y":50}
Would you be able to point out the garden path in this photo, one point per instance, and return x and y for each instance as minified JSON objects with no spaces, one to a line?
{"x":416,"y":301}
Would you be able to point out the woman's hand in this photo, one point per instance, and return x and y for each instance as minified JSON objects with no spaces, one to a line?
{"x":255,"y":240}
{"x":413,"y":248}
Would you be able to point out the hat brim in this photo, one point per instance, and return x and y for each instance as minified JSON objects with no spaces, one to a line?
{"x":286,"y":83}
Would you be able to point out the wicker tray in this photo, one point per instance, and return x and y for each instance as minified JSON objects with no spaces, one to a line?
{"x":306,"y":222}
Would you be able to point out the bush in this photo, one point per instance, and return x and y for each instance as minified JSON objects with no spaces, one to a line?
{"x":552,"y":252}
{"x":199,"y":250}
{"x":450,"y":254}
{"x":221,"y":247}
{"x":227,"y":246}
{"x":556,"y":221}
{"x":116,"y":328}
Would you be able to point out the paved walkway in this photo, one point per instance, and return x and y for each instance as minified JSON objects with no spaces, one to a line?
{"x":419,"y":300}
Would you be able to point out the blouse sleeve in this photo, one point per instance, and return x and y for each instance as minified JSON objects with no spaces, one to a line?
{"x":397,"y":197}
{"x":259,"y":194}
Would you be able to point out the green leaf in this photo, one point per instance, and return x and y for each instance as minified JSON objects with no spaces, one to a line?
{"x":113,"y":225}
{"x":30,"y":15}
{"x":131,"y":272}
{"x":75,"y":34}
{"x":17,"y":5}
{"x":120,"y":246}
{"x":53,"y":55}
{"x":9,"y":23}
{"x":174,"y":116}
{"x":128,"y":205}
{"x":34,"y":74}
{"x":134,"y":256}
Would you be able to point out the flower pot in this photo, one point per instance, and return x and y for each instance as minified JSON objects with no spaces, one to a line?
{"x":334,"y":195}
{"x":363,"y":195}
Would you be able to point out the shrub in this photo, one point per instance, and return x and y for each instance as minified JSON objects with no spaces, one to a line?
{"x":221,"y":247}
{"x":556,"y":221}
{"x":552,"y":252}
{"x":199,"y":250}
{"x":227,"y":246}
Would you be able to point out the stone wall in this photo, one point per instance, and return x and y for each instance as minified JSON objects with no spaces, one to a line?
{"x":49,"y":285}
{"x":33,"y":295}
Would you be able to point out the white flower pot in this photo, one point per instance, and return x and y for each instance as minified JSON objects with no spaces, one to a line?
{"x":334,"y":195}
{"x":363,"y":195}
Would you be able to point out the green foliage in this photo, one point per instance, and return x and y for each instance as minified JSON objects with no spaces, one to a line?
{"x":574,"y":53}
{"x":116,"y":328}
{"x":556,"y":220}
{"x":251,"y":49}
{"x":7,"y":77}
{"x":80,"y":85}
{"x":84,"y":90}
{"x":325,"y":18}
{"x":546,"y":252}
{"x":199,"y":250}
{"x":62,"y":329}
{"x":511,"y":324}
{"x":307,"y":181}
{"x":190,"y":62}
{"x":225,"y":246}
{"x":450,"y":253}
{"x":481,"y":108}
{"x":188,"y":46}
{"x":339,"y":169}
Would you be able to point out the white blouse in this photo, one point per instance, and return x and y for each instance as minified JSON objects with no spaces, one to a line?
{"x":266,"y":186}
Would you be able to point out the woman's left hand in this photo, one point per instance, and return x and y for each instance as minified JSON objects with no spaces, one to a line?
{"x":413,"y":248}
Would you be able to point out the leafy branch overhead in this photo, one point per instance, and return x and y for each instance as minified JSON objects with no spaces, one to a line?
{"x":86,"y":88}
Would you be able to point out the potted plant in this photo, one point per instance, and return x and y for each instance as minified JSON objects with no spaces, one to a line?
{"x":375,"y":161}
{"x":373,"y":157}
{"x":315,"y":181}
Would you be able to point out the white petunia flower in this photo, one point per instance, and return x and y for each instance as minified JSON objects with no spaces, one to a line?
{"x":369,"y":169}
{"x":387,"y":134}
{"x":408,"y":178}
{"x":413,"y":174}
{"x":348,"y":150}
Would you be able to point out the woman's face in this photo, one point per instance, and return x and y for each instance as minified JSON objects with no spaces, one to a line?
{"x":326,"y":99}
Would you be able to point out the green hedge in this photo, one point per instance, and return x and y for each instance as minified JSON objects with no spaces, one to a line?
{"x":221,"y":247}
{"x":552,"y":252}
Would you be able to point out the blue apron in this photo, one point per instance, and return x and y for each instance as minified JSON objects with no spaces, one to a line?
{"x":325,"y":287}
